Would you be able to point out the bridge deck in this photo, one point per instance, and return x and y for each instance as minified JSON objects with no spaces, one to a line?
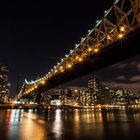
{"x":114,"y":53}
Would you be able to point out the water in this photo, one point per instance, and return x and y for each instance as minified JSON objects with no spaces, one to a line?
{"x":84,"y":124}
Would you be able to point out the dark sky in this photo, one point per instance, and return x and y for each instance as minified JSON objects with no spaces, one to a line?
{"x":34,"y":35}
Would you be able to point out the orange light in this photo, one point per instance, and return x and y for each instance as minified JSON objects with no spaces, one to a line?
{"x":96,"y":50}
{"x":122,"y":28}
{"x":61,"y":67}
{"x":69,"y":65}
{"x":120,"y":36}
{"x":77,"y":58}
{"x":35,"y":86}
{"x":43,"y":82}
{"x":62,"y":70}
{"x":108,"y":37}
{"x":80,"y":59}
{"x":89,"y":49}
{"x":55,"y":71}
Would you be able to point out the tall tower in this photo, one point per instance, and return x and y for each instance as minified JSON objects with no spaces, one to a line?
{"x":4,"y":84}
{"x":93,"y":84}
{"x":94,"y":90}
{"x":98,"y":92}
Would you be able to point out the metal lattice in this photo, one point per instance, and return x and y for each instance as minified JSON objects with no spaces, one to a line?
{"x":120,"y":20}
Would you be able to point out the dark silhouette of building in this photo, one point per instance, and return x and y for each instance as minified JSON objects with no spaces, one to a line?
{"x":4,"y":84}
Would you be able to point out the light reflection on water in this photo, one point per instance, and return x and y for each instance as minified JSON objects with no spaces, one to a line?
{"x":19,"y":124}
{"x":57,"y":124}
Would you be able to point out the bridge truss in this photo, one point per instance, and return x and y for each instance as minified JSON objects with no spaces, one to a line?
{"x":122,"y":18}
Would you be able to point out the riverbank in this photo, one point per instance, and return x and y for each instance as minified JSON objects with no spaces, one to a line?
{"x":18,"y":106}
{"x":36,"y":106}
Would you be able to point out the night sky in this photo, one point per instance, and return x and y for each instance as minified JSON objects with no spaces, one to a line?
{"x":35,"y":35}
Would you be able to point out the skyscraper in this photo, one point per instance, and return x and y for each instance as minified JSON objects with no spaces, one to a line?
{"x":93,"y":86}
{"x":4,"y":84}
{"x":99,"y":94}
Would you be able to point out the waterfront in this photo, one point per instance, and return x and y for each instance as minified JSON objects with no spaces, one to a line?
{"x":71,"y":124}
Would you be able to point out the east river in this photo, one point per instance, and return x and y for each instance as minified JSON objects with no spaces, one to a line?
{"x":71,"y":124}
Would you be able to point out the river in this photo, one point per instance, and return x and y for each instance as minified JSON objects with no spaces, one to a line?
{"x":71,"y":124}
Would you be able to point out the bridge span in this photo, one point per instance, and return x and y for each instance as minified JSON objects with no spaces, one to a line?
{"x":114,"y":38}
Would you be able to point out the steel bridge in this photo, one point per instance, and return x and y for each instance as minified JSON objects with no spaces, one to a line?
{"x":114,"y":38}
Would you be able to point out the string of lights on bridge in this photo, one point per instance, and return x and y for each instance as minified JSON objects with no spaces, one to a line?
{"x":76,"y":56}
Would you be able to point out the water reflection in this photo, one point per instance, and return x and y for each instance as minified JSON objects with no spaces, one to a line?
{"x":91,"y":124}
{"x":71,"y":124}
{"x":20,"y":125}
{"x":77,"y":123}
{"x":16,"y":116}
{"x":57,"y":125}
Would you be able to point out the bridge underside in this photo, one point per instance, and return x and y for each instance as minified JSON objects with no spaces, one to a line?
{"x":121,"y":50}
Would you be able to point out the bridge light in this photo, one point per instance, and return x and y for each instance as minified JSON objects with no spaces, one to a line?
{"x":36,"y":86}
{"x":76,"y":90}
{"x":120,"y":36}
{"x":89,"y":49}
{"x":89,"y":31}
{"x":69,"y":65}
{"x":80,"y":59}
{"x":97,"y":21}
{"x":43,"y":82}
{"x":62,"y":70}
{"x":76,"y":45}
{"x":71,"y":51}
{"x":55,"y":71}
{"x":96,"y":50}
{"x":122,"y":28}
{"x":108,"y":37}
{"x":61,"y":67}
{"x":66,"y":55}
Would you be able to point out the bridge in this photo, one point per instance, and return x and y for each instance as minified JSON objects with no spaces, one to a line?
{"x":114,"y":38}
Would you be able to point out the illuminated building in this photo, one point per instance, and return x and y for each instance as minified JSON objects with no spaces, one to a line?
{"x":95,"y":94}
{"x":99,"y":94}
{"x":70,"y":96}
{"x":93,"y":90}
{"x":4,"y":84}
{"x":124,"y":97}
